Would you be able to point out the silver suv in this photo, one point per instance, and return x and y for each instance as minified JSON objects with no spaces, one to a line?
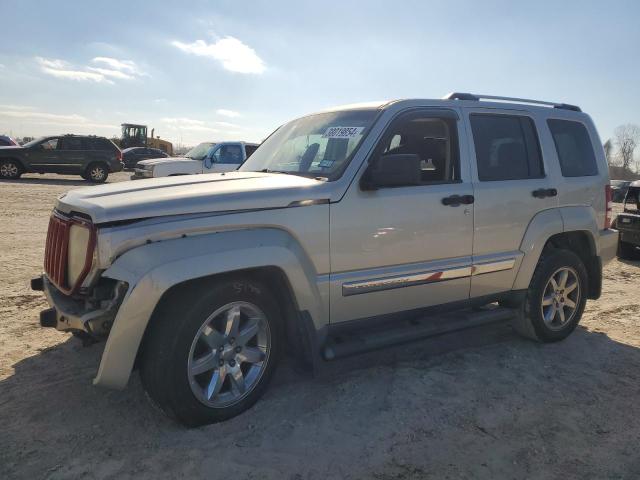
{"x":346,"y":230}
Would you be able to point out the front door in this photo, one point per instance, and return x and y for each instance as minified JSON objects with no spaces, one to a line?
{"x":512,"y":185}
{"x":225,"y":158}
{"x":45,"y":156}
{"x":403,"y":248}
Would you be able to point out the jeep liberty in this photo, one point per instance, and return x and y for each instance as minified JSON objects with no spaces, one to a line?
{"x":347,"y":230}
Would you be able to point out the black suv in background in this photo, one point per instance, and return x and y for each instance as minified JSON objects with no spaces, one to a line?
{"x":91,"y":157}
{"x":131,"y":156}
{"x":628,"y":224}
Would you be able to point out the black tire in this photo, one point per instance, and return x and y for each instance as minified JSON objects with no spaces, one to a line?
{"x":168,"y":344}
{"x":627,"y":251}
{"x":10,"y":169}
{"x":96,"y":172}
{"x":530,"y":322}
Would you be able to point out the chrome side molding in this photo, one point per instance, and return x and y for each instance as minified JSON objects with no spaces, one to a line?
{"x":422,"y":278}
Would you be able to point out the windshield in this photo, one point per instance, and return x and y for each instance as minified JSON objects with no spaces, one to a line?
{"x":199,"y":152}
{"x":319,"y":145}
{"x":33,"y":142}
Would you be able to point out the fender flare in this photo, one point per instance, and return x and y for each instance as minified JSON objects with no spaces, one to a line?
{"x":545,"y":225}
{"x":152,"y":269}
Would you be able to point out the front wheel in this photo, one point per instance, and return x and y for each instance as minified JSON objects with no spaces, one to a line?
{"x":211,"y":357}
{"x":96,"y":173}
{"x":556,"y":297}
{"x":10,"y":170}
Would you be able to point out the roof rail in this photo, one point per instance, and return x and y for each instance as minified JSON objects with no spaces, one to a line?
{"x":477,"y":98}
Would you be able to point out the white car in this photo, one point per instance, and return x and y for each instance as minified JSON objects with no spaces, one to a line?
{"x":207,"y":157}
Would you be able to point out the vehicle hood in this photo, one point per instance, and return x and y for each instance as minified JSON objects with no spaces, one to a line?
{"x":6,"y":148}
{"x":166,"y":160}
{"x":215,"y":192}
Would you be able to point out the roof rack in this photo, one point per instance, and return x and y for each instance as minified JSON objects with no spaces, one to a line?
{"x":477,"y":98}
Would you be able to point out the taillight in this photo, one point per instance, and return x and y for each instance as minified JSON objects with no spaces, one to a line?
{"x":119,"y":155}
{"x":609,"y":206}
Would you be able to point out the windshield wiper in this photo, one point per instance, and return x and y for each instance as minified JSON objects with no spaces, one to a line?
{"x":297,"y":174}
{"x":267,"y":170}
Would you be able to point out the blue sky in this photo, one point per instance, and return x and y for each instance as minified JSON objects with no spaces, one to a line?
{"x":222,"y":70}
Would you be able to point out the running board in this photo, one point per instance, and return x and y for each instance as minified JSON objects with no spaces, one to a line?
{"x":360,"y":341}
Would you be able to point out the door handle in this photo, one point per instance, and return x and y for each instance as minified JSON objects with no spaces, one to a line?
{"x":457,"y":200}
{"x":544,"y":192}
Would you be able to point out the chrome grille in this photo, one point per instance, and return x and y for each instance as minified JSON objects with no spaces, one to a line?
{"x":55,"y":252}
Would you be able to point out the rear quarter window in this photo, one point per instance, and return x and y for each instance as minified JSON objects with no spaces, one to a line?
{"x":249,"y":149}
{"x":574,"y":148}
{"x":103,"y":144}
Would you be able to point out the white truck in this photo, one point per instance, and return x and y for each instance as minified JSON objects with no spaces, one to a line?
{"x":207,"y":157}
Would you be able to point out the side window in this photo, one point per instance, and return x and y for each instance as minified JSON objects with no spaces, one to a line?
{"x":70,"y":143}
{"x":433,"y":139}
{"x":574,"y":148}
{"x":50,"y":144}
{"x":228,"y":154}
{"x":249,"y":149}
{"x":506,"y":146}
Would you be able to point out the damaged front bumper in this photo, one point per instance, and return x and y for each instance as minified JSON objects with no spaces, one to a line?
{"x":92,"y":314}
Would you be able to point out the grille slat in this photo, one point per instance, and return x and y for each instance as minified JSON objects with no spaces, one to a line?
{"x":56,"y":252}
{"x":55,"y":260}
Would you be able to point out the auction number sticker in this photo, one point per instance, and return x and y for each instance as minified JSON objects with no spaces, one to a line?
{"x":342,"y":132}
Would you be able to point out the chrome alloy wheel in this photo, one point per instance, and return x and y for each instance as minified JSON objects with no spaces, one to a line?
{"x":8,"y":170}
{"x":97,"y":174}
{"x":229,"y":354}
{"x":561,"y":298}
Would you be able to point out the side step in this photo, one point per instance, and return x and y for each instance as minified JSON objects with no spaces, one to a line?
{"x":402,"y":331}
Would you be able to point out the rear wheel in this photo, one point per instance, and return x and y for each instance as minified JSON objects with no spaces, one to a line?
{"x":555,"y":299}
{"x":10,"y":169}
{"x":627,"y":251}
{"x":96,"y":173}
{"x":209,"y":358}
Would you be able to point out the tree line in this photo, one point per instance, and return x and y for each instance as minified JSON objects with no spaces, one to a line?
{"x":620,"y":150}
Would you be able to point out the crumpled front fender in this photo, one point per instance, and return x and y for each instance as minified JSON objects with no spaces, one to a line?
{"x":151,"y":269}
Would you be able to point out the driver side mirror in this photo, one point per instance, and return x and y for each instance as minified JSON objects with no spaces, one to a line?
{"x":395,"y":170}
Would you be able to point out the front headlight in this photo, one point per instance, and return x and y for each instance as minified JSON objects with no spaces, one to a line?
{"x":79,"y":256}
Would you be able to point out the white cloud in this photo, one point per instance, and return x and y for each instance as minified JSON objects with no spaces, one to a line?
{"x":17,"y":107}
{"x":227,"y":124}
{"x":110,"y":73}
{"x":13,"y":114}
{"x":115,"y":64}
{"x":183,"y":123}
{"x":234,"y":55}
{"x":227,"y":113}
{"x":26,"y":114}
{"x":118,"y":69}
{"x":60,"y":69}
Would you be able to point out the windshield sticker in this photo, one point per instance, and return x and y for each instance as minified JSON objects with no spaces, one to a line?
{"x":342,"y":132}
{"x":326,"y":163}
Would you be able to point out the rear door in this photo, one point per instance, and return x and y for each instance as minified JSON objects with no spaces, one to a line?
{"x":72,"y":155}
{"x":511,"y":186}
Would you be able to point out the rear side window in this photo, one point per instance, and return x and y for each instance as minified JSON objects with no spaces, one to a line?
{"x":574,"y":148}
{"x":506,"y":146}
{"x":249,"y":149}
{"x":71,"y":143}
{"x":100,"y":144}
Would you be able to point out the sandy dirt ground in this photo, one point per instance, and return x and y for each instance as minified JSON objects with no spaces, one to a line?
{"x":480,"y":404}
